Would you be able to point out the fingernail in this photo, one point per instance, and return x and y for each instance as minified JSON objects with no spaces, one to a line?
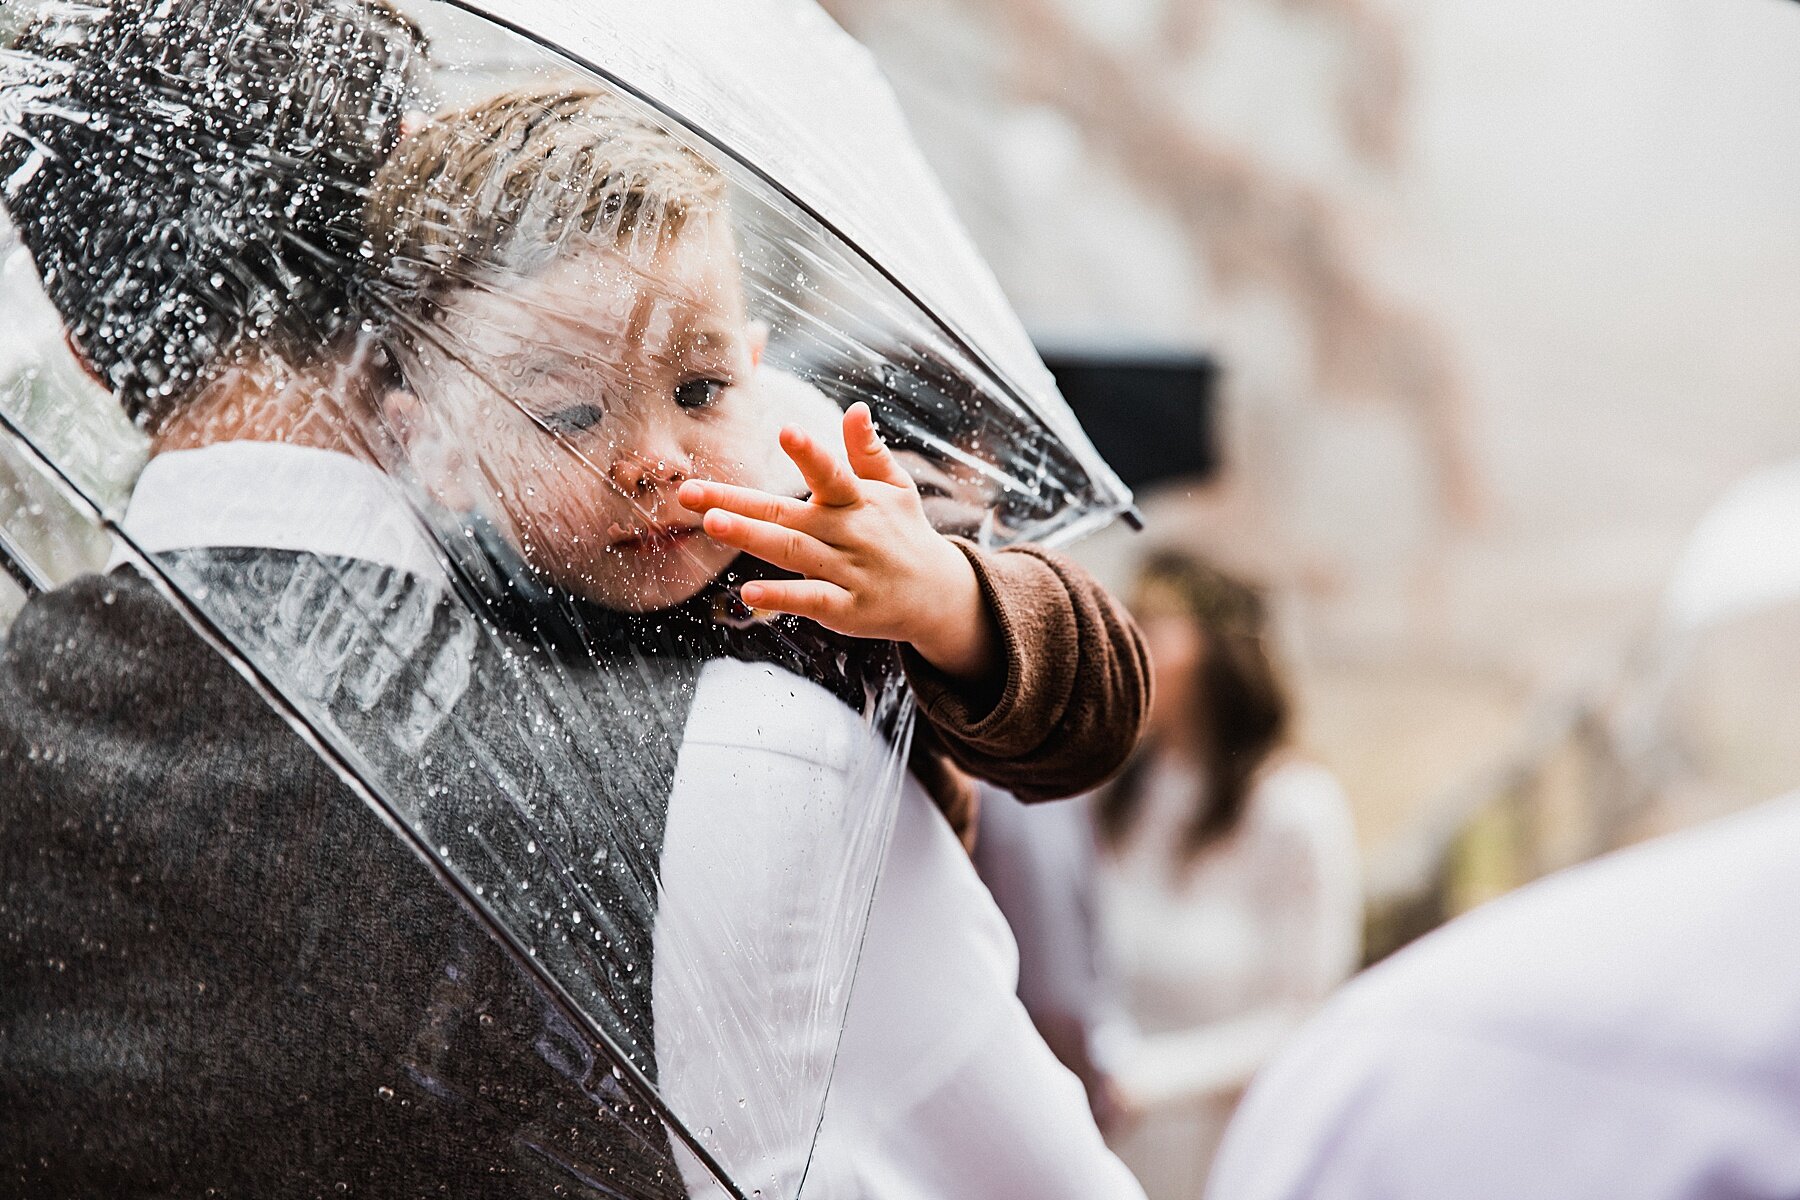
{"x":752,"y":593}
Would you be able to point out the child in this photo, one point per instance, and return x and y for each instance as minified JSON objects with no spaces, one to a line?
{"x":570,"y":312}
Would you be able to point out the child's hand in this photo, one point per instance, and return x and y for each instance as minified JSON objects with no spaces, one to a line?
{"x":873,"y":564}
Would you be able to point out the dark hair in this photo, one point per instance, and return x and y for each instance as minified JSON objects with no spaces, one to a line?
{"x":1244,"y":711}
{"x":189,"y":175}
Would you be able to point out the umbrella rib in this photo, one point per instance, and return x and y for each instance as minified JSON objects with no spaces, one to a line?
{"x":354,"y":778}
{"x":19,"y":566}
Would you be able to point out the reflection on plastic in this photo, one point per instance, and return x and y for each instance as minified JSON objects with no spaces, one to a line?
{"x":418,"y":335}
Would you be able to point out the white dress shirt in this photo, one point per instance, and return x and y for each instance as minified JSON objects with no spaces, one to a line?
{"x":942,"y":1088}
{"x":1628,"y":1028}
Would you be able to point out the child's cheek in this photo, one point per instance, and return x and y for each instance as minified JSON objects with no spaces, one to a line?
{"x":777,"y":472}
{"x":733,"y":451}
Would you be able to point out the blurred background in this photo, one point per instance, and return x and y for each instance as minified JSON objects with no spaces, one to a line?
{"x":1501,"y":301}
{"x":1472,"y":327}
{"x":1464,"y":331}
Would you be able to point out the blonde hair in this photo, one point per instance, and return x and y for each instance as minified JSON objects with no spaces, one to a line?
{"x":505,"y":185}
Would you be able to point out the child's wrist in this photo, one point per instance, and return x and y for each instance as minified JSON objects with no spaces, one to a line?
{"x":958,"y":635}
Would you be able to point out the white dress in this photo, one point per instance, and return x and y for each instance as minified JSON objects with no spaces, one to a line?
{"x":1220,"y":959}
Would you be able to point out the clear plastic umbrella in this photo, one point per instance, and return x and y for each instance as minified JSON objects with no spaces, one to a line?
{"x":366,"y":342}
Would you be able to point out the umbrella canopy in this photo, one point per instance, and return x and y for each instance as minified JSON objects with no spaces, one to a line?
{"x":779,"y":87}
{"x":415,"y":388}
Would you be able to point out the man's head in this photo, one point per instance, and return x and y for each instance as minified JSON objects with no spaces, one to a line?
{"x":568,"y":309}
{"x":189,"y":177}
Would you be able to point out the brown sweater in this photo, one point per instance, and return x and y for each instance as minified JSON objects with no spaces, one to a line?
{"x":1070,"y":707}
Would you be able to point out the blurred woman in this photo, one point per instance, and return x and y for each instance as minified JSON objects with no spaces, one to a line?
{"x":1229,"y":895}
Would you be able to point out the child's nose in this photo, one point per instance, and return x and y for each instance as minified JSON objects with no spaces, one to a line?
{"x":650,"y":461}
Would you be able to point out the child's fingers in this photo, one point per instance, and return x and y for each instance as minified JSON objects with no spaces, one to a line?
{"x":787,"y":548}
{"x":869,"y":455}
{"x":817,"y":599}
{"x":830,"y":480}
{"x":700,"y":495}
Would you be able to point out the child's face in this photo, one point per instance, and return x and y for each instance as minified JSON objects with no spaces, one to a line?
{"x":570,"y":404}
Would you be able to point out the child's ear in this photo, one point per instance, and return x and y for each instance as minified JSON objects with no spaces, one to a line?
{"x":82,"y":361}
{"x":759,"y":341}
{"x":425,"y":453}
{"x":400,"y":415}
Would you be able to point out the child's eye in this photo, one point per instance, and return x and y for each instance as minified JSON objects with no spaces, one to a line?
{"x":933,"y":491}
{"x":699,"y":393}
{"x":574,"y":418}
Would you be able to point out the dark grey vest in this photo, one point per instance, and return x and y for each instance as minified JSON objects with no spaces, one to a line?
{"x":222,"y":974}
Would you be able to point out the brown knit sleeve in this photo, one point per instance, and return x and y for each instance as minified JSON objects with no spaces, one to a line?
{"x":1076,"y":688}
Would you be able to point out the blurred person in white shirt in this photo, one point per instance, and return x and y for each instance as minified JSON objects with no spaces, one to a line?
{"x":1229,"y":894}
{"x":1630,"y":1027}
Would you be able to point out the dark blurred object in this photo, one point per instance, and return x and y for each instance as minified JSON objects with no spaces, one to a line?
{"x":1153,"y":416}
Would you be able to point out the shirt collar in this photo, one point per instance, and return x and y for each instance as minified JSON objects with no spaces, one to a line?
{"x":274,"y":496}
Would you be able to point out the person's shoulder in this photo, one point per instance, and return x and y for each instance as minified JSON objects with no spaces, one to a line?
{"x":99,"y":636}
{"x":1668,"y":952}
{"x":1700,"y":900}
{"x":129,"y":700}
{"x":121,"y":598}
{"x":1584,"y":1032}
{"x":760,"y":707}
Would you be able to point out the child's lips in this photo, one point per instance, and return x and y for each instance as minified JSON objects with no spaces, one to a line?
{"x":654,"y":539}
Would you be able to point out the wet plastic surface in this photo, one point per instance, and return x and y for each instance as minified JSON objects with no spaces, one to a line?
{"x":500,"y":813}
